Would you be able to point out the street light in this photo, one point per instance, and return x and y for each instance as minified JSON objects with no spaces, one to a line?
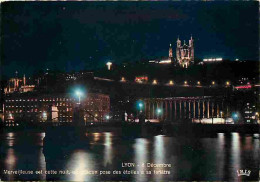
{"x":123,"y":79}
{"x":140,"y":105}
{"x":79,"y":94}
{"x":227,"y":83}
{"x":198,"y":82}
{"x":154,"y":82}
{"x":235,"y":116}
{"x":171,"y":82}
{"x":159,"y":111}
{"x":213,"y":83}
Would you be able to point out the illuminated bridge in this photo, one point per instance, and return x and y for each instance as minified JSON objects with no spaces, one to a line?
{"x":175,"y":108}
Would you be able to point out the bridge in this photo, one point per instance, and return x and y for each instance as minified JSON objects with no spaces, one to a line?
{"x":176,"y":108}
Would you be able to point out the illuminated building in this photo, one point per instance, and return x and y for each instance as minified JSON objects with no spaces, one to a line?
{"x":32,"y":108}
{"x":141,"y":79}
{"x":18,"y":85}
{"x":210,"y":60}
{"x":185,"y":53}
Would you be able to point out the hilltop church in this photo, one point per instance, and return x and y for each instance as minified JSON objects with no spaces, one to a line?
{"x":184,"y":54}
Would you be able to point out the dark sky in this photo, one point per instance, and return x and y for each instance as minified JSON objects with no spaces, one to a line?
{"x":85,"y":35}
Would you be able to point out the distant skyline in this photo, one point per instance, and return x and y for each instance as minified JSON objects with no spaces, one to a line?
{"x":85,"y":35}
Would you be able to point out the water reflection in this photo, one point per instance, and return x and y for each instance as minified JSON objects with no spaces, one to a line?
{"x":207,"y":158}
{"x":235,"y":155}
{"x":108,"y":149}
{"x":42,"y":165}
{"x":80,"y":164}
{"x":10,"y":162}
{"x":220,"y":158}
{"x":141,"y":158}
{"x":159,"y":156}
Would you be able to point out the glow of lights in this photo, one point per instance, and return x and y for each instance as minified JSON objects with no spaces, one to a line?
{"x":107,"y":117}
{"x":159,"y":111}
{"x":171,"y":82}
{"x":243,"y":87}
{"x":140,"y":105}
{"x":256,"y":113}
{"x":198,"y":82}
{"x":123,"y":79}
{"x":185,"y":82}
{"x":165,"y":62}
{"x":235,"y":116}
{"x":109,"y":64}
{"x":154,"y":82}
{"x":79,"y":94}
{"x":213,"y":83}
{"x":227,"y":83}
{"x":44,"y":114}
{"x":96,"y":115}
{"x":212,"y":59}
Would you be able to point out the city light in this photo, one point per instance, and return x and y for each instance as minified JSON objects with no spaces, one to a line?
{"x":140,"y":105}
{"x":109,"y":64}
{"x":185,"y":82}
{"x":165,"y":61}
{"x":171,"y":82}
{"x":198,"y":82}
{"x":227,"y":83}
{"x":107,"y":117}
{"x":235,"y":116}
{"x":44,"y":116}
{"x":213,"y":60}
{"x":123,"y":79}
{"x":79,"y":94}
{"x":159,"y":111}
{"x":154,"y":82}
{"x":213,"y":83}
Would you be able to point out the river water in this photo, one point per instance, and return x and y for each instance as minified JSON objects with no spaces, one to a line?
{"x":113,"y":158}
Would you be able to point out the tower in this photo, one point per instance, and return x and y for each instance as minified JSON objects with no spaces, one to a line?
{"x":191,"y":45}
{"x":24,"y":80}
{"x":170,"y":51}
{"x":178,"y":49}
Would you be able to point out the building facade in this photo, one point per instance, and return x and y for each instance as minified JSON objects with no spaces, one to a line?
{"x":18,"y":85}
{"x":185,"y":53}
{"x":39,"y":108}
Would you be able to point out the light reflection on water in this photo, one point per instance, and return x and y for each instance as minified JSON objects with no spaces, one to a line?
{"x":159,"y":155}
{"x":235,"y":157}
{"x":141,"y":157}
{"x":10,"y":162}
{"x":80,"y":162}
{"x":210,"y":158}
{"x":108,"y":149}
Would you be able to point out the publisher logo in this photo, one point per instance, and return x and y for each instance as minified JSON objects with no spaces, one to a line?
{"x":243,"y":172}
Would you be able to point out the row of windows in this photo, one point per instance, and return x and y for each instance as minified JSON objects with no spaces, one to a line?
{"x":53,"y":99}
{"x":60,"y":111}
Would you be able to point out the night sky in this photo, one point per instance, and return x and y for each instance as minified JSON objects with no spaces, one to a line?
{"x":85,"y":35}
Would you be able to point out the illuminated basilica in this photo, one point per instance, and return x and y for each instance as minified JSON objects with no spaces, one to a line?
{"x":185,"y":53}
